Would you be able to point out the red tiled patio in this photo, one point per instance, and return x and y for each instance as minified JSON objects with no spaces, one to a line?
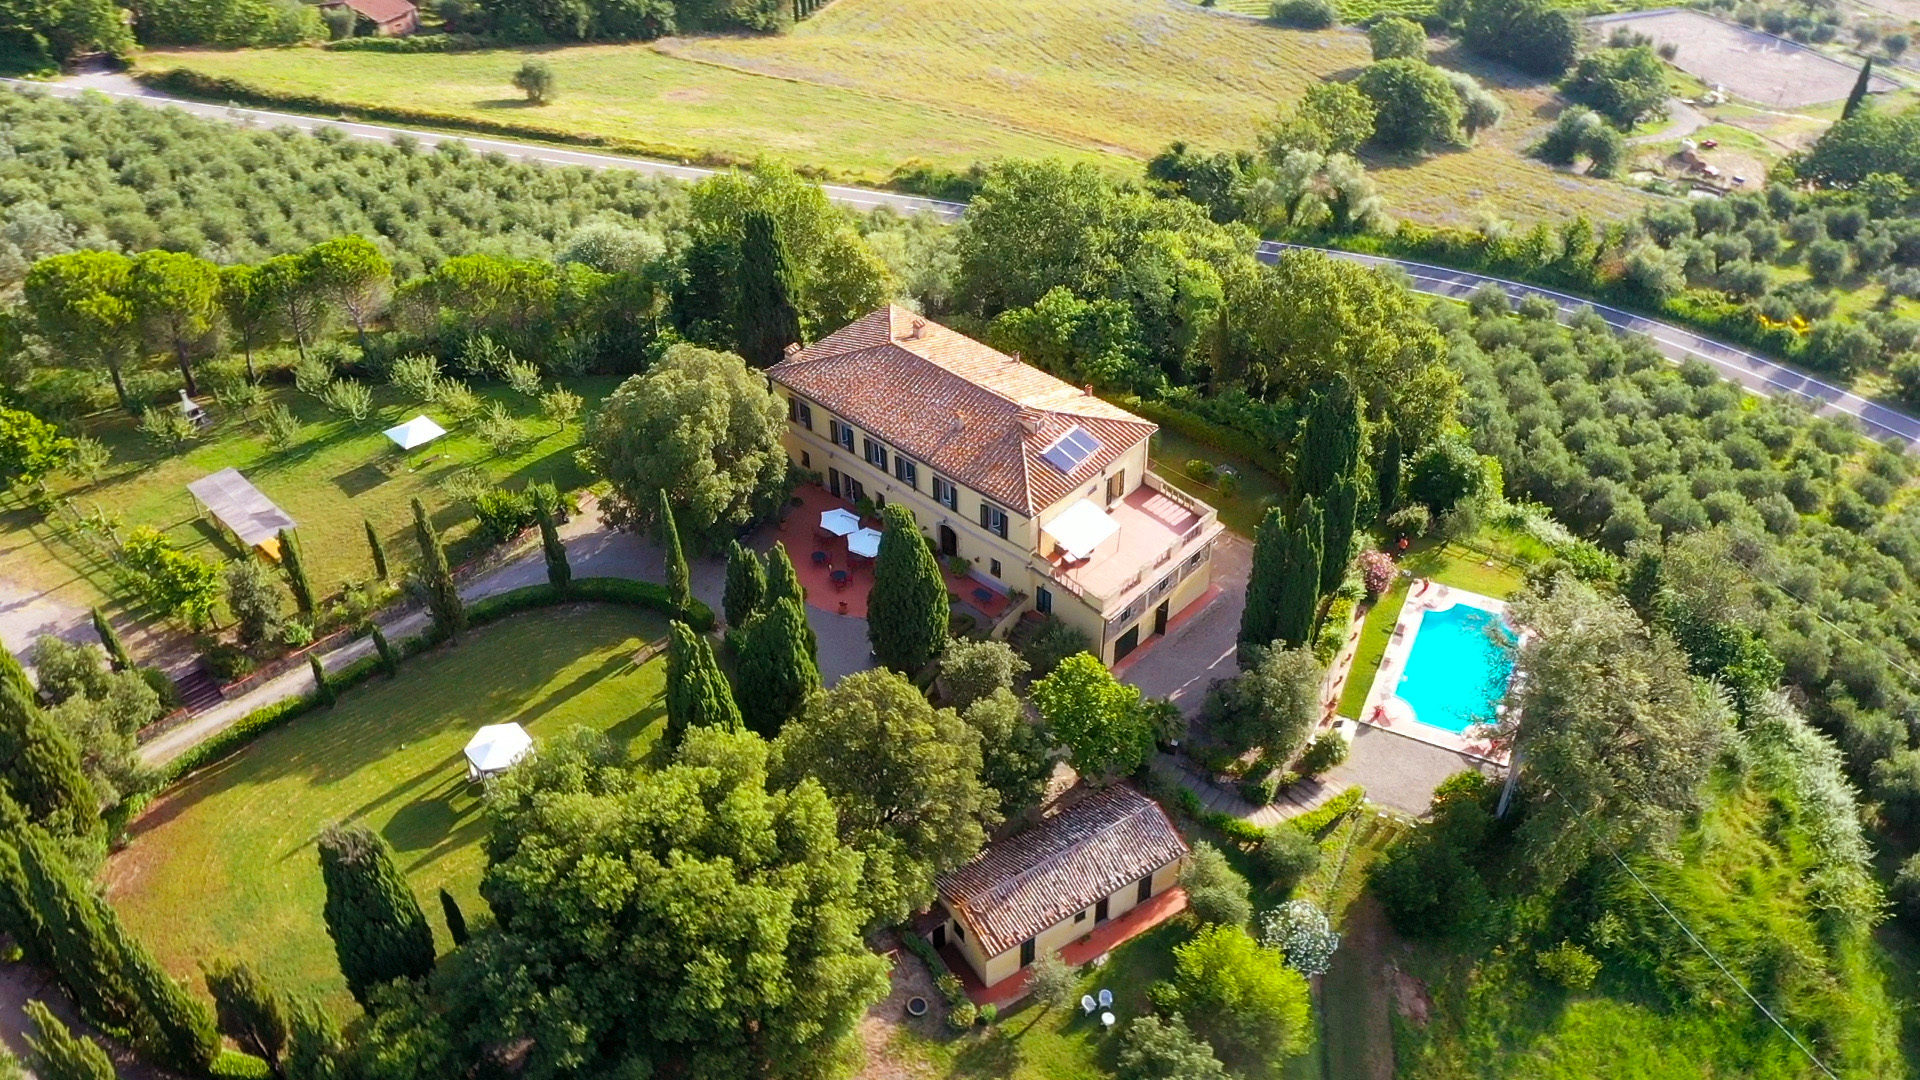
{"x":1103,"y":939}
{"x":802,"y":535}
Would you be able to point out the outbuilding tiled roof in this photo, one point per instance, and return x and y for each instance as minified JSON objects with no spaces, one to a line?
{"x":378,"y":11}
{"x":1034,"y":879}
{"x":973,"y":413}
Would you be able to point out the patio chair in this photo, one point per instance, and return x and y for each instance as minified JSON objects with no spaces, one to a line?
{"x":819,"y":558}
{"x":840,"y":579}
{"x":1106,"y":999}
{"x":1086,"y":1004}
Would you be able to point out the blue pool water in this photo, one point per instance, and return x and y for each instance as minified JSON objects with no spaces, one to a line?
{"x":1456,"y":673}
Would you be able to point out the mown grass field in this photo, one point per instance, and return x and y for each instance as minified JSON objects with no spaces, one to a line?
{"x":224,"y":863}
{"x":335,"y":476}
{"x":868,"y":86}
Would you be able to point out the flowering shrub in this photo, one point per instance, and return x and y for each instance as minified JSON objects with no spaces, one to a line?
{"x":1376,"y":572}
{"x":1300,"y":930}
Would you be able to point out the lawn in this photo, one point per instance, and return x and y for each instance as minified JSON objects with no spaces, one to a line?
{"x":334,"y":477}
{"x":1034,"y":1043}
{"x":867,"y":86}
{"x":224,"y":864}
{"x":1241,"y":511}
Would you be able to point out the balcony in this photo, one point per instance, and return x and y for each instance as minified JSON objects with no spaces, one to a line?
{"x":1159,"y":525}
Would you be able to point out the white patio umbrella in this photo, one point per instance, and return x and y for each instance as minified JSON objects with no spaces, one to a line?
{"x":839,"y":522}
{"x":865,"y":542}
{"x":418,"y":431}
{"x":494,"y":748}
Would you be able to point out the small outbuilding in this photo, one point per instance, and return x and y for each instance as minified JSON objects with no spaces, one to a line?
{"x":495,"y":748}
{"x":248,"y":514}
{"x":1049,"y":885}
{"x":379,"y":18}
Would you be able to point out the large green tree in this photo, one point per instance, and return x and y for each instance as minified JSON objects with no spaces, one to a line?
{"x":296,"y":568}
{"x":352,"y":274}
{"x":1240,"y":996}
{"x":703,"y":427}
{"x":176,"y":300}
{"x":697,"y":691}
{"x":746,"y":588}
{"x":56,"y":1053}
{"x":546,"y":504}
{"x":679,"y":578}
{"x":1416,"y":107}
{"x":176,"y":1029}
{"x":907,"y":611}
{"x":783,"y":581}
{"x":767,"y":318}
{"x":286,"y":283}
{"x":778,"y":670}
{"x":61,"y":926}
{"x":30,"y":449}
{"x":686,"y":921}
{"x":252,"y":310}
{"x":1273,"y":704}
{"x":379,"y":933}
{"x":1016,"y":754}
{"x":81,"y":304}
{"x":904,"y":779}
{"x":40,"y":767}
{"x":1617,"y":737}
{"x":249,"y":1010}
{"x":1260,"y":615}
{"x":1153,"y":1049}
{"x":1300,"y":587}
{"x":1099,"y":719}
{"x":1535,"y":36}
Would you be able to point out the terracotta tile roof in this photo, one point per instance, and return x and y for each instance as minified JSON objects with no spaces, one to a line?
{"x":972,"y":413}
{"x":378,"y":11}
{"x":1033,"y":879}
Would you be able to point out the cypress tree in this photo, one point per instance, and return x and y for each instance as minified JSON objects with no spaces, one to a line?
{"x":908,"y":608}
{"x":1342,"y":501}
{"x":379,"y":933}
{"x":389,"y":659}
{"x":1260,"y":619}
{"x":19,"y":918}
{"x":1387,"y":476}
{"x":679,"y":581}
{"x":456,"y":920}
{"x":443,"y":596}
{"x":1300,"y":586}
{"x":58,"y":1054}
{"x":1859,"y":92}
{"x":766,"y":317}
{"x":783,"y":581}
{"x":746,"y":584}
{"x":1330,"y":441}
{"x":249,"y":1010}
{"x":777,"y":667}
{"x":697,"y":691}
{"x":378,"y":549}
{"x":323,"y":690}
{"x":559,"y":570}
{"x":110,"y":638}
{"x":39,"y":765}
{"x":14,"y":676}
{"x":176,"y":1029}
{"x":73,"y":938}
{"x":314,"y":1049}
{"x":296,"y":573}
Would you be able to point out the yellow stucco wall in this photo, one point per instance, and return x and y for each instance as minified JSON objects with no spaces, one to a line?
{"x":991,"y":970}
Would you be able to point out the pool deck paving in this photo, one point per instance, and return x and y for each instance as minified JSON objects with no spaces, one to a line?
{"x":1384,"y":709}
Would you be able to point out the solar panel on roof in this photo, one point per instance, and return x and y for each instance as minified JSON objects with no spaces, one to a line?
{"x":1071,"y":450}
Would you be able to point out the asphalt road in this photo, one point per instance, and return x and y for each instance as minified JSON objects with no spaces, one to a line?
{"x":1756,"y":373}
{"x":1752,"y":371}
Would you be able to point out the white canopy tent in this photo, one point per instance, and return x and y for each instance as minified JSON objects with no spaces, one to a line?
{"x":241,"y":507}
{"x":494,"y":749}
{"x":839,"y":522}
{"x":1082,"y":528}
{"x":418,"y":431}
{"x":866,"y":542}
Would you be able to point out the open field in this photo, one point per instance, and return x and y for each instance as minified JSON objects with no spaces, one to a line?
{"x":867,"y":86}
{"x":336,"y":474}
{"x":224,"y":863}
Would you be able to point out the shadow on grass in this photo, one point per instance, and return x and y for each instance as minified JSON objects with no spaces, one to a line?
{"x":361,"y":479}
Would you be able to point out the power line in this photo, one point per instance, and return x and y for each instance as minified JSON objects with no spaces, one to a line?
{"x":1702,"y":946}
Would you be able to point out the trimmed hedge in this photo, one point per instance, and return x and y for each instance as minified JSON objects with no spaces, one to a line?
{"x":1314,"y":822}
{"x":1207,"y":432}
{"x":417,"y":43}
{"x":924,"y":949}
{"x":488,"y":609}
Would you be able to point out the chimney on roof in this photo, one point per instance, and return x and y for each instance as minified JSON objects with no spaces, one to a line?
{"x":1030,"y":421}
{"x":792,"y":349}
{"x":915,"y":329}
{"x":1087,"y":389}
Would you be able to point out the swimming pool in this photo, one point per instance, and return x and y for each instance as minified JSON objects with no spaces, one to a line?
{"x":1456,"y":673}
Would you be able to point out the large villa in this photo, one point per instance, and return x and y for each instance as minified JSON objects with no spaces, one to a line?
{"x":1040,"y":486}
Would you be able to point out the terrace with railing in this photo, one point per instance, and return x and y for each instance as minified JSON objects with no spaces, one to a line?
{"x":1159,"y":526}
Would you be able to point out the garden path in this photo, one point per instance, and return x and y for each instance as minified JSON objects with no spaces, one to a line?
{"x":593,"y":550}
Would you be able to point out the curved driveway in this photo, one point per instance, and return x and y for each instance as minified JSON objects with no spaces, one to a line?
{"x":1756,"y":373}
